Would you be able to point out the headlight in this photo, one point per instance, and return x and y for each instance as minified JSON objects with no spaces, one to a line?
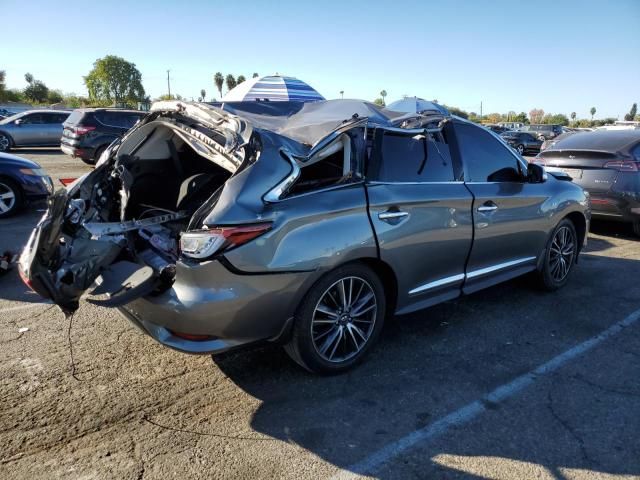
{"x":38,"y":172}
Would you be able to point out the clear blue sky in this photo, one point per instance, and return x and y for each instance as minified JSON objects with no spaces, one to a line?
{"x":561,"y":56}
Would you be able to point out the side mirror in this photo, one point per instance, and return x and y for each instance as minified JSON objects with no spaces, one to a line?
{"x":536,"y":173}
{"x":18,"y":121}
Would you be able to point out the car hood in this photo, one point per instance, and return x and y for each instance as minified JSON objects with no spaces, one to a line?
{"x":6,"y":159}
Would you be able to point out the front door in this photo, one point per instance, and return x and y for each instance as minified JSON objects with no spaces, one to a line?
{"x":509,"y":214}
{"x":421,"y":215}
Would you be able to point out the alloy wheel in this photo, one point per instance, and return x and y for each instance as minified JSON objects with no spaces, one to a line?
{"x":561,"y":253}
{"x":7,"y":198}
{"x":520,"y":149}
{"x":4,"y":143}
{"x":344,"y":319}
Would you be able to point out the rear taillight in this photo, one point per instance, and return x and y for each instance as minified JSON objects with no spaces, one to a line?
{"x":82,"y":129}
{"x":204,"y":243}
{"x":623,"y":165}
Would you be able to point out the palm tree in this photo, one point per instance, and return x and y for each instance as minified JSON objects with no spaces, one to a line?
{"x":240,"y":79}
{"x":231,"y":82}
{"x":203,"y":94}
{"x":255,"y":75}
{"x":383,"y":94}
{"x":573,"y":116}
{"x":218,"y":79}
{"x":341,"y":93}
{"x":593,"y":112}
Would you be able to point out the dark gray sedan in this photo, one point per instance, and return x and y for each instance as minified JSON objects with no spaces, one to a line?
{"x":606,"y":163}
{"x":523,"y":142}
{"x":33,"y":128}
{"x":305,"y":224}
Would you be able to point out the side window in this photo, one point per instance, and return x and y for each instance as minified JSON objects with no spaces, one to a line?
{"x":51,"y":118}
{"x":424,"y":157}
{"x":329,"y":167}
{"x":485,"y":159}
{"x":129,"y":120}
{"x":61,"y":117}
{"x":32,"y":119}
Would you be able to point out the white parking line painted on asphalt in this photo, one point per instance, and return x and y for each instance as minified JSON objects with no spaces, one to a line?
{"x":467,"y":413}
{"x":23,"y":307}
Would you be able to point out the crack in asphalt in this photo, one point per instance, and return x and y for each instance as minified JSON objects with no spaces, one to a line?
{"x":569,"y":429}
{"x":615,"y":391}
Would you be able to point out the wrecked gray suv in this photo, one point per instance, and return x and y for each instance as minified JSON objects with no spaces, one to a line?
{"x":212,"y":228}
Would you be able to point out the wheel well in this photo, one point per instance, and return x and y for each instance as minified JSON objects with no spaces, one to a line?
{"x":580,"y":224}
{"x":2,"y":132}
{"x":388,"y":279}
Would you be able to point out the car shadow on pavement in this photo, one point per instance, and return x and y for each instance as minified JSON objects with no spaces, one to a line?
{"x":434,"y":362}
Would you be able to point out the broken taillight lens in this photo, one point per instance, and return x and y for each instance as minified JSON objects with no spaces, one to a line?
{"x":204,"y":243}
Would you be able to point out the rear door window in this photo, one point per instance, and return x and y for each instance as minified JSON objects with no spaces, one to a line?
{"x":485,"y":158}
{"x":422,"y":157}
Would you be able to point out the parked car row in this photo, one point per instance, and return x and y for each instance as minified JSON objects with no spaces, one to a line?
{"x":83,"y":133}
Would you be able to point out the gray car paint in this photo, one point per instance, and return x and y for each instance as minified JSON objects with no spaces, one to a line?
{"x":442,"y":248}
{"x":26,"y":134}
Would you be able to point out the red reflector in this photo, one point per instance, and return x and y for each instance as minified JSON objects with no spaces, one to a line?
{"x":67,"y":181}
{"x":190,"y":336}
{"x":600,"y":201}
{"x":24,"y":278}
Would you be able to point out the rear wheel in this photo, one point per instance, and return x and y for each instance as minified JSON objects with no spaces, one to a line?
{"x":338,"y":321}
{"x":520,"y":149}
{"x":560,"y":256}
{"x":11,"y":198}
{"x":96,"y":155}
{"x":5,"y":142}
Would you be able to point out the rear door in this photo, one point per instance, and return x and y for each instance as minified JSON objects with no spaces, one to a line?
{"x":30,"y":131}
{"x":421,"y":214}
{"x":510,"y":226}
{"x":52,"y":127}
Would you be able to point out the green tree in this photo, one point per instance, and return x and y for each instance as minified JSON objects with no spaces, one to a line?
{"x":3,"y":86}
{"x":231,"y":82}
{"x":116,"y":80}
{"x":555,"y":119}
{"x":241,"y":78}
{"x":36,"y":91}
{"x":379,"y":101}
{"x":573,"y":117}
{"x":593,"y":112}
{"x":255,"y":75}
{"x":520,"y":118}
{"x":55,"y":96}
{"x":203,"y":94}
{"x":383,"y":94}
{"x":632,"y":113}
{"x":457,"y":111}
{"x":218,"y":79}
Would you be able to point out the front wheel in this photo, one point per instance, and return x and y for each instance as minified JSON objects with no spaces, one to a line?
{"x":520,"y":149}
{"x":11,"y":198}
{"x":339,"y":320}
{"x":560,"y":256}
{"x":5,"y":142}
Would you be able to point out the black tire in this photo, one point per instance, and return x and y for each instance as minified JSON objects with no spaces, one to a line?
{"x":96,"y":155}
{"x":558,"y":257}
{"x":5,"y":142}
{"x":520,"y":149}
{"x":636,"y":228}
{"x":11,"y":197}
{"x":303,"y":346}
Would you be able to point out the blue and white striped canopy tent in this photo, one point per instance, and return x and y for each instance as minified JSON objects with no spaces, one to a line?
{"x":273,"y":88}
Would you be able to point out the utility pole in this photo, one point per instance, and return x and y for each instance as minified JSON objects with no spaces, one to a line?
{"x":481,"y":110}
{"x":168,"y":83}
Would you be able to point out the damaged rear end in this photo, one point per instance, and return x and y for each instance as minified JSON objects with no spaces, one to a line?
{"x":117,"y":231}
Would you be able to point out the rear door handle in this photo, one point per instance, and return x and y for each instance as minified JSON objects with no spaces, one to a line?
{"x":487,"y":207}
{"x":392,"y":215}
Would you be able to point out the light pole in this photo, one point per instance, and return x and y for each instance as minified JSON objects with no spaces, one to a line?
{"x":168,"y":84}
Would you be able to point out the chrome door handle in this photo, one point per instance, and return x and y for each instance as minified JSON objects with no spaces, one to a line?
{"x":488,"y":207}
{"x":392,"y":215}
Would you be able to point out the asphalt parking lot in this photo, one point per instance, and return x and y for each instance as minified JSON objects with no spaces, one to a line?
{"x":509,"y":382}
